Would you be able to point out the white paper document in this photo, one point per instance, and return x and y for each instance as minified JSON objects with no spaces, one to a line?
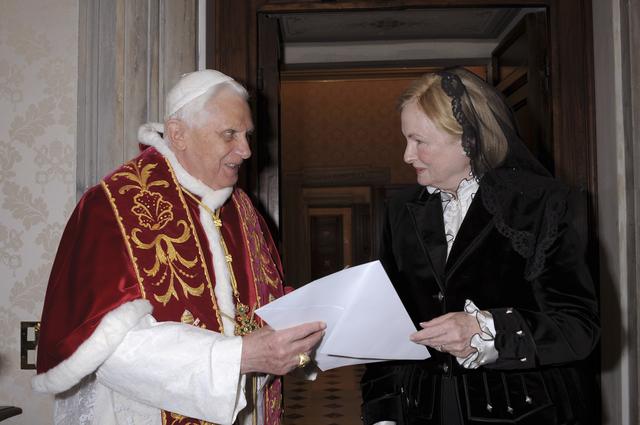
{"x":366,"y":321}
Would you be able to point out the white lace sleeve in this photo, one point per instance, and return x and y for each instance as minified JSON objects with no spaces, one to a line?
{"x":483,"y":342}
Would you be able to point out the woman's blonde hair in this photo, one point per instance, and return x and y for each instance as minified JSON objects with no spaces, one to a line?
{"x":483,"y":108}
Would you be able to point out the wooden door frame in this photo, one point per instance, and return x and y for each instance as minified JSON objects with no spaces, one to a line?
{"x":570,"y":25}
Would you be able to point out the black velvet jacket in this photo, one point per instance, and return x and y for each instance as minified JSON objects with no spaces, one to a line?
{"x":544,"y":326}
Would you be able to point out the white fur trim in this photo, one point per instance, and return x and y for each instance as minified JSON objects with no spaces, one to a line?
{"x":222,"y":289}
{"x":213,"y":199}
{"x":94,"y":350}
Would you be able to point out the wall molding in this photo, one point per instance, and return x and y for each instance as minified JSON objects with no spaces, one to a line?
{"x":129,"y":54}
{"x":617,"y":106}
{"x":630,"y":71}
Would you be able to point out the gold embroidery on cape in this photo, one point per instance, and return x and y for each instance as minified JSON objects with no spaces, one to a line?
{"x":254,"y":243}
{"x":264,"y":260}
{"x":176,"y":419}
{"x":152,"y":210}
{"x":134,"y":260}
{"x":275,"y":402}
{"x":155,"y":213}
{"x":188,"y":319}
{"x":166,"y":255}
{"x":214,"y":301}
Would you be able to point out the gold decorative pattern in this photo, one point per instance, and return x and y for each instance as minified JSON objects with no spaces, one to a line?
{"x":176,"y":419}
{"x":134,"y":260}
{"x":188,"y":319}
{"x":155,"y":213}
{"x":203,"y":265}
{"x":264,"y":260}
{"x":152,"y":210}
{"x":166,"y":255}
{"x":254,"y":241}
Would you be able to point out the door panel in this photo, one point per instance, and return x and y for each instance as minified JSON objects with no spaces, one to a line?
{"x":519,"y":69}
{"x":326,"y":244}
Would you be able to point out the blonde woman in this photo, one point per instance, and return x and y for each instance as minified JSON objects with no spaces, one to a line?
{"x":483,"y":253}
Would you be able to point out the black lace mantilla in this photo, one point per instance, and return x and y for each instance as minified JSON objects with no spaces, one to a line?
{"x":453,"y":87}
{"x":526,"y":203}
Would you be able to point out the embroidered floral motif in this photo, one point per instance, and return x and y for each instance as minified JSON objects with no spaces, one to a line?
{"x":167,"y":255}
{"x":152,"y":210}
{"x":155,"y":213}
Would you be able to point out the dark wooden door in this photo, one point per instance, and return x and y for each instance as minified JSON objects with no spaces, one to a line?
{"x":520,"y":70}
{"x":326,"y":245}
{"x":265,"y":179}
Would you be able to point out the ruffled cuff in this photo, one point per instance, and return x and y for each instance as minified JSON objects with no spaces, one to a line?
{"x":483,"y":342}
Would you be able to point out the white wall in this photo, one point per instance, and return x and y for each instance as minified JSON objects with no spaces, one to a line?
{"x":38,"y":73}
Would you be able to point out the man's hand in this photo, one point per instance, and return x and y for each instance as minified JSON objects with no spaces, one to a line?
{"x":276,"y":352}
{"x":449,"y":333}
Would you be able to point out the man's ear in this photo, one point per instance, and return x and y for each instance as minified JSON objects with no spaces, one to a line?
{"x":176,"y":133}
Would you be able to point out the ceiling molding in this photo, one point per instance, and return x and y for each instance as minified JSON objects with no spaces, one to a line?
{"x":416,"y":24}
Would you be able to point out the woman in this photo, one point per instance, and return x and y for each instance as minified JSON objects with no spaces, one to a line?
{"x":484,"y":256}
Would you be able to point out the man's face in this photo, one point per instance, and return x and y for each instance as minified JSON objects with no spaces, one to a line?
{"x":216,"y":147}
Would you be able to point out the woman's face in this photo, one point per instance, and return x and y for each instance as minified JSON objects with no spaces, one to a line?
{"x":436,"y":155}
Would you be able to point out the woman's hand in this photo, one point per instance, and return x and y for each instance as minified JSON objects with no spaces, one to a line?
{"x":450,"y":333}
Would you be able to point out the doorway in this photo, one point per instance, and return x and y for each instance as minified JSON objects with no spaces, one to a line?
{"x":297,"y":154}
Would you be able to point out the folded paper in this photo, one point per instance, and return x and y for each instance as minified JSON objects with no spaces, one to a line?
{"x":366,"y":321}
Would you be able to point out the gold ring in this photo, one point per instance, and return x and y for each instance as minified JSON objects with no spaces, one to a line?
{"x":303,"y":359}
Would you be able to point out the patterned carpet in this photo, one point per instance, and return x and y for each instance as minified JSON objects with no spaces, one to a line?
{"x":332,"y":399}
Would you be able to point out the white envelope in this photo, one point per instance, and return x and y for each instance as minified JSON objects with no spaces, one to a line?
{"x":366,"y":321}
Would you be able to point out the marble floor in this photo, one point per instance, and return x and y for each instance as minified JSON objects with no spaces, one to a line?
{"x":332,"y":399}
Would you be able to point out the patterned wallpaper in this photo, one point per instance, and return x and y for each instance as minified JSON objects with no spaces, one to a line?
{"x":38,"y":72}
{"x":342,"y":123}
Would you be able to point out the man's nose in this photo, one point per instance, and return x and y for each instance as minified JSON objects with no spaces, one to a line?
{"x":243,"y":149}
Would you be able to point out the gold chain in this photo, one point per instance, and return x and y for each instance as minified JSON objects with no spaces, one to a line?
{"x":245,"y":323}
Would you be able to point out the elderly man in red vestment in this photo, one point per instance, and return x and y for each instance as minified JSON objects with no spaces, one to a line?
{"x":149,"y":312}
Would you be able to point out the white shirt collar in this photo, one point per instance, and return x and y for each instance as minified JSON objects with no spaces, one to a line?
{"x":466,"y":188}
